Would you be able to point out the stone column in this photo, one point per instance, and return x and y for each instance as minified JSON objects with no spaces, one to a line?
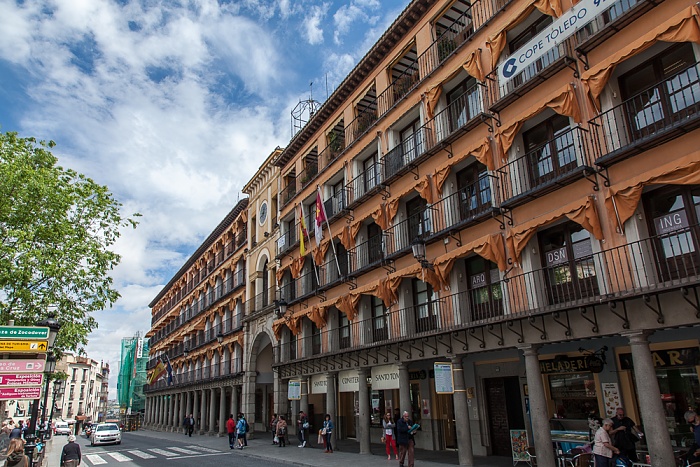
{"x":203,"y":412}
{"x":147,"y":412}
{"x":364,"y":420}
{"x":404,"y":390}
{"x":182,"y":396}
{"x":195,"y":409}
{"x":234,"y":401}
{"x":538,"y":408}
{"x":171,"y":409}
{"x":222,"y":411}
{"x":649,"y":396}
{"x":188,"y":405}
{"x":161,"y":411}
{"x":459,"y":401}
{"x":304,"y":402}
{"x":212,"y":411}
{"x":331,"y":392}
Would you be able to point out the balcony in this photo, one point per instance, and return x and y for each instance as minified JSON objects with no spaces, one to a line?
{"x":261,"y":301}
{"x":665,"y":111}
{"x":287,"y":240}
{"x":328,"y":272}
{"x":554,"y":163}
{"x":505,"y":93}
{"x":468,"y":206}
{"x":336,"y":146}
{"x":307,"y":175}
{"x":303,"y":286}
{"x":612,"y":20}
{"x":364,"y":185}
{"x":652,"y":265}
{"x":399,"y":236}
{"x":224,"y":369}
{"x":288,"y":193}
{"x":367,"y":255}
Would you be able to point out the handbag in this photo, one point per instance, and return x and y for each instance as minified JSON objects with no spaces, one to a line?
{"x":276,"y":439}
{"x":383,"y":440}
{"x":323,"y":432}
{"x":305,"y":426}
{"x":320,"y":438}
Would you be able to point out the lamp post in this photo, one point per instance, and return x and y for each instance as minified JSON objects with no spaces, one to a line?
{"x":48,"y":371}
{"x":57,"y":386}
{"x":418,"y":250}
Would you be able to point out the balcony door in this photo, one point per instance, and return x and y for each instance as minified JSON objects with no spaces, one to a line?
{"x":343,"y":331}
{"x":474,"y":191}
{"x":570,"y":272}
{"x":425,"y":306}
{"x":464,"y":103}
{"x":375,"y":244}
{"x":380,"y":327}
{"x":661,"y":91}
{"x":265,"y":285}
{"x":371,"y":174}
{"x":485,"y":293}
{"x":550,"y":150}
{"x":418,"y":218}
{"x":673,"y":215}
{"x":411,"y":141}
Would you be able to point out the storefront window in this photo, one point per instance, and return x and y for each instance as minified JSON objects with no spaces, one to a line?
{"x":381,"y":403}
{"x":574,"y":394}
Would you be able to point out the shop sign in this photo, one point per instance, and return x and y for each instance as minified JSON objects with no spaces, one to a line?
{"x":671,"y":222}
{"x":556,"y":257}
{"x":416,"y":375}
{"x":294,"y":390}
{"x":571,"y":365}
{"x":385,"y":377}
{"x":689,"y":356}
{"x":444,"y":383}
{"x":348,"y":381}
{"x":319,"y":384}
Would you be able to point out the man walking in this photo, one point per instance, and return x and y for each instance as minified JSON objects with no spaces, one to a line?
{"x":231,"y":430}
{"x":404,"y":438}
{"x":303,"y":428}
{"x":189,"y":425}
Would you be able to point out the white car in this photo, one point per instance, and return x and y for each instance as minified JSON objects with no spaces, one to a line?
{"x":104,"y":433}
{"x":62,"y":428}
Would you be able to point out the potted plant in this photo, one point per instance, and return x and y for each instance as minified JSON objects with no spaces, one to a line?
{"x":445,"y":47}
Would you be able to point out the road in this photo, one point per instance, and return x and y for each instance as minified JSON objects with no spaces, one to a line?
{"x":143,"y":451}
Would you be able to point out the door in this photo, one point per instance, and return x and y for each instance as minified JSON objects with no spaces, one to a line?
{"x":418,"y":220}
{"x":464,"y":103}
{"x":474,"y":191}
{"x":425,"y":306}
{"x":375,"y":247}
{"x":412,"y":141}
{"x":445,"y":414}
{"x":348,"y":407}
{"x":505,"y":412}
{"x":550,"y":151}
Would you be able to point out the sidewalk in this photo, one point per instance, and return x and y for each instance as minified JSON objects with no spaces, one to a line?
{"x":346,"y":453}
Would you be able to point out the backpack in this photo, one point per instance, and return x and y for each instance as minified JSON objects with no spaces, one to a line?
{"x":247,"y":427}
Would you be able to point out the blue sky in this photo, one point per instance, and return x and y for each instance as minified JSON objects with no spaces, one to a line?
{"x":172,"y":105}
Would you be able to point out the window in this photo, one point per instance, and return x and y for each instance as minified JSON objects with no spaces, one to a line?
{"x":569,"y":267}
{"x":523,"y":38}
{"x":550,"y":150}
{"x":371,"y":174}
{"x":485,"y":293}
{"x":464,"y":103}
{"x":380,"y":328}
{"x":425,"y":306}
{"x":412,"y":141}
{"x":375,"y":244}
{"x":573,"y":394}
{"x":474,"y":191}
{"x":292,"y":346}
{"x":343,"y":331}
{"x":418,"y":217}
{"x":315,"y":339}
{"x":661,"y":91}
{"x":673,"y":215}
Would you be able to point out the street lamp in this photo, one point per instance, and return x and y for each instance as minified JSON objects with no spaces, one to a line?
{"x":281,"y":307}
{"x":418,"y":249}
{"x":57,"y":386}
{"x":48,"y":371}
{"x":220,"y":337}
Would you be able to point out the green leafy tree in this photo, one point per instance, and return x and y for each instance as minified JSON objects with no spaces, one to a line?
{"x":56,"y":230}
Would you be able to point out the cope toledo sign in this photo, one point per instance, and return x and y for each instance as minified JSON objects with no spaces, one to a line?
{"x":563,"y":27}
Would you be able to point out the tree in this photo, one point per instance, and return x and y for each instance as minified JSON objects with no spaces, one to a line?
{"x":56,"y":230}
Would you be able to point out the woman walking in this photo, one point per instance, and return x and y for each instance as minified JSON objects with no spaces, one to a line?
{"x":15,"y":454}
{"x":327,"y":432}
{"x":273,"y":428}
{"x":389,"y":440}
{"x":603,"y":449}
{"x":282,"y":431}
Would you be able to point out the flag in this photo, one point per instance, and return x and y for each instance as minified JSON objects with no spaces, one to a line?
{"x":158,"y":371}
{"x":320,"y":217}
{"x":303,"y":233}
{"x":169,"y":370}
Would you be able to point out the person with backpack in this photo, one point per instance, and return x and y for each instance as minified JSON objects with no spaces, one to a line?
{"x":282,"y":431}
{"x":16,"y":432}
{"x":303,"y":428}
{"x":247,"y":429}
{"x":240,"y":430}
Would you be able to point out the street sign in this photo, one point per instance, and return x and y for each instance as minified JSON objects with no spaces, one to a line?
{"x":22,"y":379}
{"x":23,"y":346}
{"x":32,"y":392}
{"x":19,"y":366}
{"x":24,"y":332}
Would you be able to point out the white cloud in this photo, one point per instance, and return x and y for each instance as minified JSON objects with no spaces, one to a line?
{"x":313,"y":32}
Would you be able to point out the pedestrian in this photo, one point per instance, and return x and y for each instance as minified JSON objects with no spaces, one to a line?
{"x":189,"y":425}
{"x":397,"y":416}
{"x":282,"y":431}
{"x":273,"y":428}
{"x":623,"y":435}
{"x":694,"y":451}
{"x":240,"y":430}
{"x":404,"y":438}
{"x":71,"y":456}
{"x":16,"y":431}
{"x":603,"y":448}
{"x":389,"y":441}
{"x":247,"y":429}
{"x":231,"y":430}
{"x":15,"y":454}
{"x":303,"y":428}
{"x":327,"y":432}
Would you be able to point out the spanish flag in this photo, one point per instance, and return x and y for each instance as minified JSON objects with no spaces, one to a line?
{"x":158,"y":371}
{"x":303,"y":233}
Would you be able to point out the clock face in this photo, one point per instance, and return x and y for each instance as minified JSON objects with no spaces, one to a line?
{"x":263,"y":213}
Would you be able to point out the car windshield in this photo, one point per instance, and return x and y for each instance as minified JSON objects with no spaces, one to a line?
{"x":107,"y":427}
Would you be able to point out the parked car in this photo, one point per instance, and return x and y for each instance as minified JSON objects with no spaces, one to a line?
{"x":104,"y":433}
{"x":62,"y":428}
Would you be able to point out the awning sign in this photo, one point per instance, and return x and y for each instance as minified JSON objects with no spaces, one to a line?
{"x":553,"y":35}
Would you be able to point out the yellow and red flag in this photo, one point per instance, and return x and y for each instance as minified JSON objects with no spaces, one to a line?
{"x":320,"y":218}
{"x":158,"y":371}
{"x":303,"y":233}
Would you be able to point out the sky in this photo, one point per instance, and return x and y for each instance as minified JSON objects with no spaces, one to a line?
{"x":173,"y":105}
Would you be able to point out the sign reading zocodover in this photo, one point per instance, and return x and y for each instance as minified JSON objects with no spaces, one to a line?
{"x":553,"y":35}
{"x":23,"y":332}
{"x":19,"y":393}
{"x":20,"y":366}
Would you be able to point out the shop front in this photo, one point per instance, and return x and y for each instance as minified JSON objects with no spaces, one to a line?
{"x":348,"y":404}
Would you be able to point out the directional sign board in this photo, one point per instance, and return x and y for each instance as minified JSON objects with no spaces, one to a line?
{"x":23,"y":346}
{"x":23,"y":332}
{"x":20,"y":366}
{"x":20,"y":393}
{"x":22,"y":379}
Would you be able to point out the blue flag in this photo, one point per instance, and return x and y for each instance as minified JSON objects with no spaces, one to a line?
{"x":170,"y":371}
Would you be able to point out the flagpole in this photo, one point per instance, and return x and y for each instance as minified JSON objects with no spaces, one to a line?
{"x":330,"y":234}
{"x":171,"y":369}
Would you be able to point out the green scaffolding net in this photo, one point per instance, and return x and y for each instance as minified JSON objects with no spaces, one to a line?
{"x":132,"y":374}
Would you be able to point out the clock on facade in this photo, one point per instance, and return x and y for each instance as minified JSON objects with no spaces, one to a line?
{"x":262,"y":216}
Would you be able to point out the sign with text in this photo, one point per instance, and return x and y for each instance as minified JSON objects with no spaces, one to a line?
{"x":294,"y":390}
{"x":18,"y":393}
{"x":23,"y":346}
{"x":319,"y":384}
{"x":671,"y":222}
{"x":19,"y":366}
{"x":689,"y":356}
{"x":385,"y":377}
{"x":24,"y":332}
{"x":518,"y":446}
{"x":348,"y":381}
{"x":444,"y":383}
{"x":22,"y":379}
{"x":551,"y":36}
